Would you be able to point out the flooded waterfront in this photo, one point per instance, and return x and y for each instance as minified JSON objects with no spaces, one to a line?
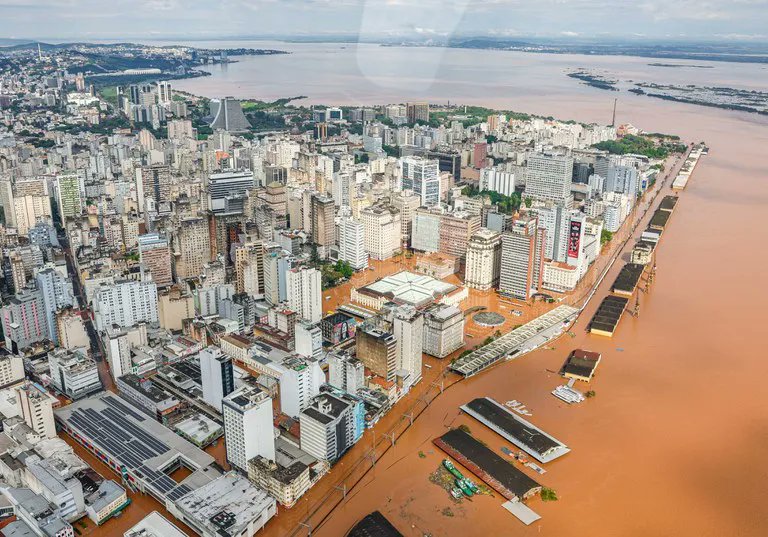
{"x":676,"y":438}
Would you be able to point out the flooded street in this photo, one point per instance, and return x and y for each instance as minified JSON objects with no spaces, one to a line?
{"x":674,"y":442}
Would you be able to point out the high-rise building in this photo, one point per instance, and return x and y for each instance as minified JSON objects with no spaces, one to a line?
{"x":456,"y":229}
{"x":483,"y":260}
{"x":443,"y":330}
{"x":522,"y":259}
{"x":36,"y":408}
{"x":217,"y":376}
{"x":548,"y":178}
{"x":345,"y":372}
{"x":496,"y":180}
{"x":164,"y":93}
{"x":352,"y":243}
{"x":422,"y":176}
{"x":24,"y":320}
{"x":70,"y":192}
{"x":125,"y":303}
{"x":331,"y":425}
{"x":417,"y":112}
{"x":377,"y":348}
{"x":381,"y":231}
{"x":118,"y":343}
{"x":154,"y":183}
{"x":408,"y":329}
{"x":249,"y":268}
{"x":248,"y":426}
{"x":11,"y":370}
{"x":305,"y":293}
{"x":323,"y":227}
{"x":406,"y":202}
{"x":227,"y":191}
{"x":155,"y":255}
{"x":192,"y":242}
{"x":57,"y":294}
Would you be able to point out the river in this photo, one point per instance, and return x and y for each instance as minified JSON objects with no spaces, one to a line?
{"x":676,"y":438}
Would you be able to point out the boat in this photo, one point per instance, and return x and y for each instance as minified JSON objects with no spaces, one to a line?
{"x":448,"y":465}
{"x":456,"y":492}
{"x":465,"y":488}
{"x":471,"y":485}
{"x":507,"y":451}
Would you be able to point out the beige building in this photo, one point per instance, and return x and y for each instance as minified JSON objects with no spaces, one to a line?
{"x":406,"y":202}
{"x":455,"y":231}
{"x":11,"y":370}
{"x":173,"y":307}
{"x":382,"y":231}
{"x":36,"y":408}
{"x":483,"y":260}
{"x":71,"y":330}
{"x":192,"y":247}
{"x":323,"y":226}
{"x":249,"y":268}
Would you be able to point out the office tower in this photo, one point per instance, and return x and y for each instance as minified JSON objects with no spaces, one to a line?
{"x":345,"y":372}
{"x":381,"y":231}
{"x":70,"y":190}
{"x":164,"y":93}
{"x":352,"y":243}
{"x":249,"y":268}
{"x":118,"y":343}
{"x":622,"y":179}
{"x":422,"y":176}
{"x":227,"y":191}
{"x":15,"y":272}
{"x":57,"y":293}
{"x":455,"y":231}
{"x":305,"y":293}
{"x":522,"y":258}
{"x":217,"y":376}
{"x":443,"y":330}
{"x":321,"y":131}
{"x":483,"y":260}
{"x":377,"y":348}
{"x":277,"y":263}
{"x":24,"y":320}
{"x":497,"y":180}
{"x":406,"y":202}
{"x":408,"y":329}
{"x":11,"y":370}
{"x":248,"y":426}
{"x":417,"y":112}
{"x":577,"y":223}
{"x":323,"y":227}
{"x":479,"y":154}
{"x":228,"y":115}
{"x":331,"y":425}
{"x":154,"y":183}
{"x":425,"y":233}
{"x":36,"y":408}
{"x":448,"y":161}
{"x":125,"y":303}
{"x":192,"y":243}
{"x":6,"y":201}
{"x":548,"y":178}
{"x":155,"y":255}
{"x":73,"y":373}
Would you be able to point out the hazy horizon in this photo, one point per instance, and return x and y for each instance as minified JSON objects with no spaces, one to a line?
{"x":652,"y":20}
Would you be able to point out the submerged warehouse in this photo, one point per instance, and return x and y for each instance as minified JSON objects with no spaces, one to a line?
{"x":627,"y":280}
{"x":608,"y":315}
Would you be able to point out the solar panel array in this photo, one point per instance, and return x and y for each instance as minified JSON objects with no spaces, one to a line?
{"x":127,"y":443}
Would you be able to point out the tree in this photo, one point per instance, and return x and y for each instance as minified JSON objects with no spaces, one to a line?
{"x":528,"y":202}
{"x":605,"y":237}
{"x":344,"y":268}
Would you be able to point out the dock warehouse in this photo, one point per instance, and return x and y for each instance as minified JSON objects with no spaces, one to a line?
{"x":608,"y":315}
{"x":494,"y":470}
{"x":581,"y":365}
{"x":538,"y":444}
{"x":627,"y":280}
{"x":659,"y":219}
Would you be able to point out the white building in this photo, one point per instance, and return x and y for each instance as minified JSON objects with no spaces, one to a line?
{"x":36,"y":408}
{"x":118,"y":343}
{"x":217,"y":376}
{"x":346,"y":372}
{"x":309,"y":340}
{"x":11,"y":370}
{"x":483,"y":261}
{"x":548,"y":177}
{"x":305,"y":293}
{"x":408,"y":329}
{"x":381,"y":231}
{"x":125,"y":303}
{"x":352,"y":243}
{"x":443,"y":330}
{"x":248,"y":426}
{"x":422,"y":176}
{"x":73,"y":373}
{"x":497,"y":180}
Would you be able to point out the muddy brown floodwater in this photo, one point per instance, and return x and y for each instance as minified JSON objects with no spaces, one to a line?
{"x":676,"y":438}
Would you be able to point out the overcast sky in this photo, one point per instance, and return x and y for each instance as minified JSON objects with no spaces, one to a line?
{"x":118,"y":19}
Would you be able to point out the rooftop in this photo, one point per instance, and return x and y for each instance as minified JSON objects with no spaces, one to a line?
{"x":409,"y":288}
